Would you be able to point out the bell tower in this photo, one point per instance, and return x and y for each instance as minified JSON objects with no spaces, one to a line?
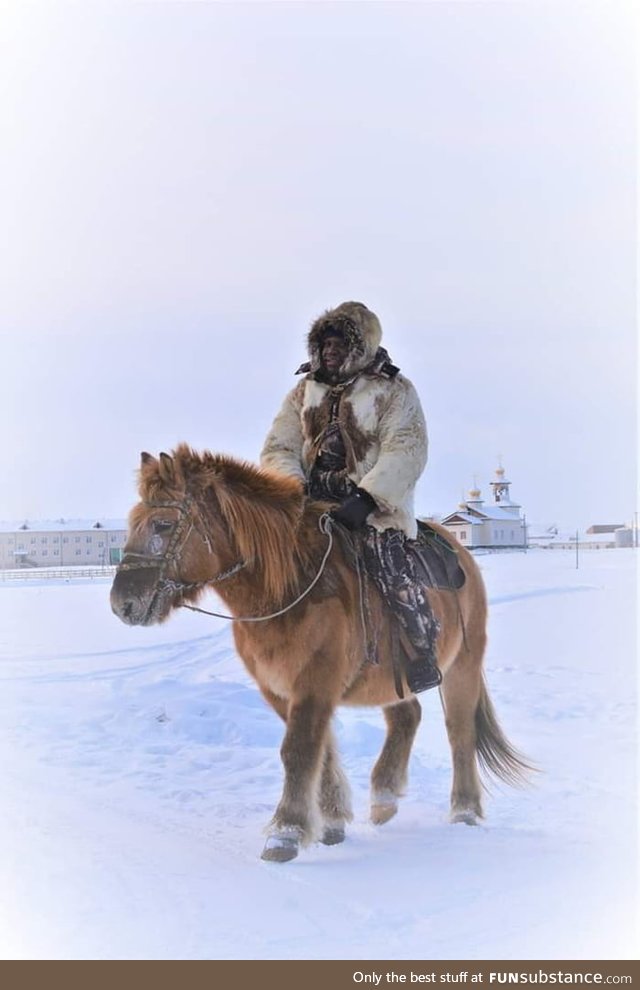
{"x":500,"y":487}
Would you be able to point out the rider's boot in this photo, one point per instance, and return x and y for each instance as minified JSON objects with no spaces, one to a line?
{"x":421,"y":629}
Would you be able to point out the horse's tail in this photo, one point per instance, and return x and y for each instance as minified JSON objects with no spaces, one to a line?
{"x":496,"y":755}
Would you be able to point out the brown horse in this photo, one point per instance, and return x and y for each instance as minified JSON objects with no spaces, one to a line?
{"x":210,"y":521}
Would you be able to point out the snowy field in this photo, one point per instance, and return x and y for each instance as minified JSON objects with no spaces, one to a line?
{"x":140,"y":766}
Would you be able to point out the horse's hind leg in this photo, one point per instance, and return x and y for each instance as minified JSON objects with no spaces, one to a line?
{"x":389,"y":776}
{"x":335,"y":797}
{"x":461,"y":689}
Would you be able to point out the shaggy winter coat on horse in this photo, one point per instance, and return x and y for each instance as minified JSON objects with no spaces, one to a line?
{"x":379,"y":413}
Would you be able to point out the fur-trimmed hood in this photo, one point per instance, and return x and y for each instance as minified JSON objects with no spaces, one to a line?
{"x":361,"y":329}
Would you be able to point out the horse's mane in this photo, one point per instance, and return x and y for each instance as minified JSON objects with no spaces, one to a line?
{"x":262,"y":510}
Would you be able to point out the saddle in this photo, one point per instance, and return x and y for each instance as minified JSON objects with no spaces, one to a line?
{"x":436,"y":560}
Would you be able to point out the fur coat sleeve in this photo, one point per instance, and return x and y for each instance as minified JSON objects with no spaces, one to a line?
{"x":282,"y":449}
{"x":403,"y":448}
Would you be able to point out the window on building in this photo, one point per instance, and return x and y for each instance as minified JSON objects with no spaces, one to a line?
{"x":43,"y":539}
{"x":33,"y":540}
{"x":101,"y":543}
{"x":463,"y":535}
{"x":89,"y":539}
{"x":56,"y":553}
{"x":65,"y":539}
{"x":44,"y":553}
{"x":56,"y":539}
{"x":78,"y":552}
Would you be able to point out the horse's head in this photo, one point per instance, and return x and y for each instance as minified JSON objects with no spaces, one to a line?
{"x":201,"y":519}
{"x":169,"y":555}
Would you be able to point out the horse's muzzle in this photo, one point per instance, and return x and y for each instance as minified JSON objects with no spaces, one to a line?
{"x":136,"y":602}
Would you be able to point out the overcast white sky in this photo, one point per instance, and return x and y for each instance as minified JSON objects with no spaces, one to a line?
{"x":184,"y":187}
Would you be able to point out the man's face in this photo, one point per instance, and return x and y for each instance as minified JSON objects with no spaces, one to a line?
{"x":333,"y":352}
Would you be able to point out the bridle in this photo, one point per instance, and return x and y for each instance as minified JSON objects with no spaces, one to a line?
{"x":133,"y":561}
{"x":177,"y":542}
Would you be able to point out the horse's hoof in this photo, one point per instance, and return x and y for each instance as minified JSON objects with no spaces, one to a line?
{"x":381,"y":813}
{"x":467,"y":817}
{"x":280,"y":848}
{"x":333,"y":835}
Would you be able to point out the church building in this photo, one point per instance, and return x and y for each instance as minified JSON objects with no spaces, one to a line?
{"x":497,"y":523}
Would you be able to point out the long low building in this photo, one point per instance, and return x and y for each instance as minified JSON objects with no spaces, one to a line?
{"x":62,"y":543}
{"x":592,"y":539}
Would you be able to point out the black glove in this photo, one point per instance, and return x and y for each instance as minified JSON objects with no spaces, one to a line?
{"x":354,"y":510}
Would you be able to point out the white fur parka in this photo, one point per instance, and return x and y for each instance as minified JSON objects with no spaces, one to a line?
{"x":380,"y":415}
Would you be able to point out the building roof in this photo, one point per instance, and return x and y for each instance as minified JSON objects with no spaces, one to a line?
{"x":476,"y":516}
{"x":63,"y":526}
{"x":492,"y":511}
{"x":463,"y":517}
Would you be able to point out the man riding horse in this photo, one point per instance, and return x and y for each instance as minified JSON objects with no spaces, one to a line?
{"x":353,"y":431}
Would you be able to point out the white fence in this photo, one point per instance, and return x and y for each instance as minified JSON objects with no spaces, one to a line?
{"x":64,"y":573}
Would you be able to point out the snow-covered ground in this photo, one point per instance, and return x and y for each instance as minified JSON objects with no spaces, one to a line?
{"x":140,"y":766}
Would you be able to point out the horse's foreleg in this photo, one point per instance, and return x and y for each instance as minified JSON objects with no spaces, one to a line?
{"x":335,"y":796}
{"x":335,"y":793}
{"x":460,"y":693}
{"x":389,"y":776}
{"x":296,"y":820}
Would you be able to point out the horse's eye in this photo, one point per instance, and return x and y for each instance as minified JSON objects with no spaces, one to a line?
{"x":161,"y":526}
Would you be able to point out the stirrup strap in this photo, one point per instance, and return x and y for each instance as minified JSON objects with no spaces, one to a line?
{"x":396,"y":660}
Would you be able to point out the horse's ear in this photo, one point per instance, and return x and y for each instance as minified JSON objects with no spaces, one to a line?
{"x":167,"y":469}
{"x":145,"y":458}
